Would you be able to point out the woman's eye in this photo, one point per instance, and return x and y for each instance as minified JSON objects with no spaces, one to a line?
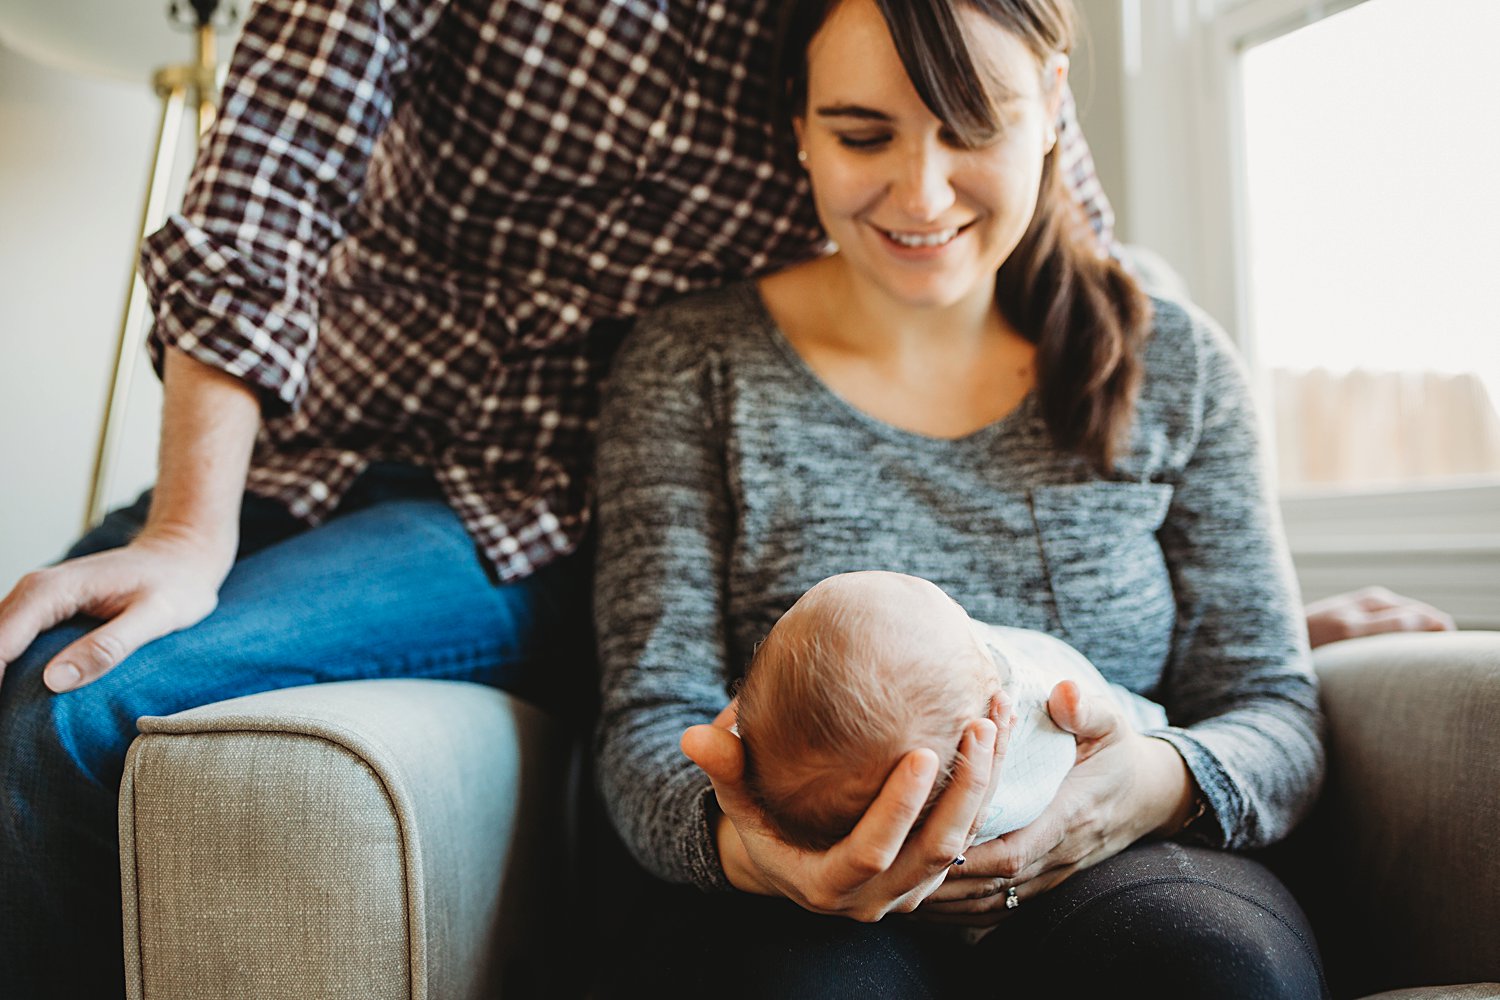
{"x":863,"y":141}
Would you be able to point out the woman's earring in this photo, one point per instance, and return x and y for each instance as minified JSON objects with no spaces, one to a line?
{"x":802,"y":157}
{"x":1051,"y":137}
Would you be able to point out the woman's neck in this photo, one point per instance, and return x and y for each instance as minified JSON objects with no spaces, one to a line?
{"x":863,"y":320}
{"x":941,"y":372}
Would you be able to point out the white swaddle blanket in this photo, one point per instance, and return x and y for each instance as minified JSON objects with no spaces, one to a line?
{"x":1030,"y":664}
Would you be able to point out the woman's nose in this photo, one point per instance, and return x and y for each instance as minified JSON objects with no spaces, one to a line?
{"x":923,"y":188}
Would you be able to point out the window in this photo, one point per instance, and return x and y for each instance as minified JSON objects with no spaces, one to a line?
{"x":1372,"y":224}
{"x":1321,"y":172}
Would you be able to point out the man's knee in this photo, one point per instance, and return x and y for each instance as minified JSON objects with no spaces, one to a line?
{"x":78,"y":736}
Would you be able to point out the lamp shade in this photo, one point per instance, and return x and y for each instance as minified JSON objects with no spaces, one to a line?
{"x":124,"y":39}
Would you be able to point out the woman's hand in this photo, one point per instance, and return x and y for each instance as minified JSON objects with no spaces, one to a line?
{"x":1122,"y":787}
{"x":161,"y":582}
{"x":882,"y":866}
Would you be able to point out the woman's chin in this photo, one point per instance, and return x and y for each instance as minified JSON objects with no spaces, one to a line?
{"x":919,"y":287}
{"x":933,"y":296}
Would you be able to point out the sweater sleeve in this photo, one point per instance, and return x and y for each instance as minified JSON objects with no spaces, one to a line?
{"x":1240,"y":687}
{"x":664,"y":531}
{"x":235,"y":278}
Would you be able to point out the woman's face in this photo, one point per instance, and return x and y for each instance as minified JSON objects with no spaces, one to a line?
{"x":918,"y":218}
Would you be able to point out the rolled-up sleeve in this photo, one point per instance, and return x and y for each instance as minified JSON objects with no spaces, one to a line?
{"x":234,"y":279}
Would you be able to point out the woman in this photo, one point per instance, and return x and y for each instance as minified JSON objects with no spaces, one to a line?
{"x":961,"y":393}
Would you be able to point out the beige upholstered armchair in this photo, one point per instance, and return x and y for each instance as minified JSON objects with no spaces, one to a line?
{"x":359,"y":840}
{"x":363,"y":840}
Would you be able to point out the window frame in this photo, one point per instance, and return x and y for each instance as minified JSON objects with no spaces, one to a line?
{"x":1184,"y":196}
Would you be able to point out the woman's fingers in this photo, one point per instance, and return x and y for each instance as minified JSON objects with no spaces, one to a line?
{"x":945,"y":834}
{"x":1026,"y":853}
{"x":874,"y":844}
{"x":994,"y":904}
{"x":982,"y":901}
{"x":962,"y":887}
{"x":996,"y":864}
{"x":1003,"y":715}
{"x":1042,"y":846}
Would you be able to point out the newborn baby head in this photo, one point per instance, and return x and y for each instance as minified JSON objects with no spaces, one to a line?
{"x":863,"y":669}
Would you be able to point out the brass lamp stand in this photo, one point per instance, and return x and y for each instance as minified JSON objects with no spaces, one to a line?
{"x":173,"y":85}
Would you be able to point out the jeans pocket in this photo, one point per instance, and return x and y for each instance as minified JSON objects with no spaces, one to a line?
{"x":1109,"y":580}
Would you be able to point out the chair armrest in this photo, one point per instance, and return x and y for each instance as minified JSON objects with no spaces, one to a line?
{"x":362,"y":839}
{"x":1412,"y":804}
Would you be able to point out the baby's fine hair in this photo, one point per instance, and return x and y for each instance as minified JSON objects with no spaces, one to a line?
{"x":865,"y":668}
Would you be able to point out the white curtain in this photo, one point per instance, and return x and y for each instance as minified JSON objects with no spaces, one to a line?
{"x":1367,"y":428}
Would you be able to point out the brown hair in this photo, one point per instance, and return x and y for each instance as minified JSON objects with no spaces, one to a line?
{"x":1084,"y":313}
{"x":843,"y":687}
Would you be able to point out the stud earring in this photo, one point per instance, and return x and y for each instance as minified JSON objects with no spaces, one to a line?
{"x":802,"y":157}
{"x":1051,"y":137}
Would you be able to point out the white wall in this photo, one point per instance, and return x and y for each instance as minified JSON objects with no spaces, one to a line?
{"x":1096,"y":74}
{"x":74,"y":157}
{"x":1142,"y":90}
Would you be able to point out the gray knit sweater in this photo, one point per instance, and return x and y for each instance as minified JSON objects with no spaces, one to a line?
{"x":731,"y":479}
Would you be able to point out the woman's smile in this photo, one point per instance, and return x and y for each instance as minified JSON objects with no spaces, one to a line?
{"x":918,"y":240}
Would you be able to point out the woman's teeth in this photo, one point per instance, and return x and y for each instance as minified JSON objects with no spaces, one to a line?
{"x":936,"y":239}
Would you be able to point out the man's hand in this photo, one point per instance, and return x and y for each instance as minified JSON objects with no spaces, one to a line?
{"x":882,"y":866}
{"x":168,"y":578}
{"x":1370,"y":611}
{"x":155,"y":585}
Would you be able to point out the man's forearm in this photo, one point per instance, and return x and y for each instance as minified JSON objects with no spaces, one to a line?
{"x":209,"y":422}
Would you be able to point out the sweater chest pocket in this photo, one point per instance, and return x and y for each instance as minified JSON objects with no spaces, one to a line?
{"x":1109,"y":580}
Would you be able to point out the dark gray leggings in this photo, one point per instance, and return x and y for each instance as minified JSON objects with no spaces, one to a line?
{"x":1160,"y":919}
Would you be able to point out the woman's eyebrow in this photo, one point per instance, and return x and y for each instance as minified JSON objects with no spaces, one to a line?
{"x":852,"y":111}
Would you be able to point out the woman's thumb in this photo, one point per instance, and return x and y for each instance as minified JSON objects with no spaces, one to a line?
{"x":1085,"y":717}
{"x":717,"y":751}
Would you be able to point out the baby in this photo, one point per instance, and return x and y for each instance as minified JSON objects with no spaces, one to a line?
{"x":868,"y":666}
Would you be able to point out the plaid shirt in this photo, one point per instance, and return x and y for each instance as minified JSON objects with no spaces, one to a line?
{"x":416,"y":227}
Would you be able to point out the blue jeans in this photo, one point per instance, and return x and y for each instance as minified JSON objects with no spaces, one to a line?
{"x":391,"y":586}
